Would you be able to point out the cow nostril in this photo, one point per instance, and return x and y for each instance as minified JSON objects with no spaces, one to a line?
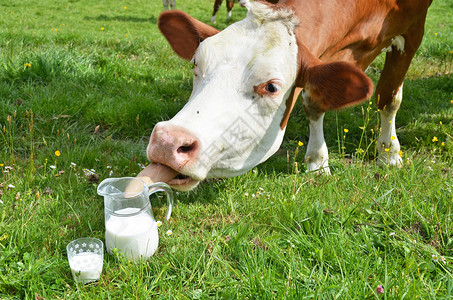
{"x":186,"y":148}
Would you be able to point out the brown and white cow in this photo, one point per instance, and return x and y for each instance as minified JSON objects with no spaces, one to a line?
{"x":229,"y":6}
{"x":248,"y":77}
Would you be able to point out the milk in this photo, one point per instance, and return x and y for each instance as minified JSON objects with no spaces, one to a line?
{"x":135,"y":236}
{"x":86,"y":267}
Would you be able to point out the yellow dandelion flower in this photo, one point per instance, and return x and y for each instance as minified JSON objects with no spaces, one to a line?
{"x":27,"y":65}
{"x":392,"y":138}
{"x":126,"y":35}
{"x":434,"y":139}
{"x":435,"y":33}
{"x":1,"y":165}
{"x":346,"y":130}
{"x":390,"y":121}
{"x":451,"y":51}
{"x":56,"y":29}
{"x":102,"y":28}
{"x":57,"y":153}
{"x":125,"y":7}
{"x":386,"y":149}
{"x":442,"y":144}
{"x":400,"y":153}
{"x":451,"y":101}
{"x":300,"y":143}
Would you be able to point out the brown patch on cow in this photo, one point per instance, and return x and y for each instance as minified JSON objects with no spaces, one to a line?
{"x":290,"y":102}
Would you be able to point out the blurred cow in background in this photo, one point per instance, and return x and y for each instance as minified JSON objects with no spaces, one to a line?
{"x":171,"y":3}
{"x":229,"y":6}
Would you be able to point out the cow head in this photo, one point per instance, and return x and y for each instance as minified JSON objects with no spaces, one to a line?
{"x":245,"y":82}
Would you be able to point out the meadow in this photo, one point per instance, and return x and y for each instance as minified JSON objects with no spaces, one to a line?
{"x":83,"y":82}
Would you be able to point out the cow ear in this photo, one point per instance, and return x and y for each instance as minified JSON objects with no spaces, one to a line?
{"x":337,"y":85}
{"x":183,"y":32}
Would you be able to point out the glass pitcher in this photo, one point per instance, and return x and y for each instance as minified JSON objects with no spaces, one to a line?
{"x":129,"y":222}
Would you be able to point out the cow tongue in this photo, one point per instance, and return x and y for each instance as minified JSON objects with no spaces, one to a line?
{"x":155,"y":172}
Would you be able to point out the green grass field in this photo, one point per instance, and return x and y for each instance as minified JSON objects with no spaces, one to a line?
{"x":82,"y":84}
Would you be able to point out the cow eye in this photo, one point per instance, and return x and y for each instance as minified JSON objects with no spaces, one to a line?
{"x":272,"y":88}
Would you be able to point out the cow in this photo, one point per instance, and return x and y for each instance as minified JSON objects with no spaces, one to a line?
{"x":247,"y":78}
{"x":169,"y":4}
{"x":229,"y":6}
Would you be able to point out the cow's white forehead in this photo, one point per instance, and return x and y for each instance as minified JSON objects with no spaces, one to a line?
{"x":260,"y":34}
{"x":262,"y":13}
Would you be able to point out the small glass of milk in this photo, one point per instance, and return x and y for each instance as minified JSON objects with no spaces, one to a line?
{"x":86,"y":257}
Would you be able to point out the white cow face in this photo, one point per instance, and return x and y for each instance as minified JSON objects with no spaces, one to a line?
{"x":232,"y":121}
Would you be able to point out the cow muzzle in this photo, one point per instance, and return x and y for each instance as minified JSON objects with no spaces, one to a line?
{"x":178,"y":149}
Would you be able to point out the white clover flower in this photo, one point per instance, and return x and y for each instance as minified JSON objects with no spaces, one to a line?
{"x":87,"y":172}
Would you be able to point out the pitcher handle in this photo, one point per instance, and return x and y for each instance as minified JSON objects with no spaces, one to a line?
{"x":163,"y":187}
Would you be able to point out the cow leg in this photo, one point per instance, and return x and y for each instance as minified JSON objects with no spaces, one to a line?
{"x":317,"y":156}
{"x":217,"y":4}
{"x":389,"y":91}
{"x":173,"y":4}
{"x":388,"y":144}
{"x":165,"y":3}
{"x":229,"y":5}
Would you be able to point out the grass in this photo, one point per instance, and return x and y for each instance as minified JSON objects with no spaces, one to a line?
{"x":89,"y":79}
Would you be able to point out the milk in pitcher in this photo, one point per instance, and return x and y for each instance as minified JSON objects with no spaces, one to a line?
{"x":136,"y":236}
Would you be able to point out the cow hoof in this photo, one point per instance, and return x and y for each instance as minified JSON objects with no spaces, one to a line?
{"x":318,"y":168}
{"x":390,"y":159}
